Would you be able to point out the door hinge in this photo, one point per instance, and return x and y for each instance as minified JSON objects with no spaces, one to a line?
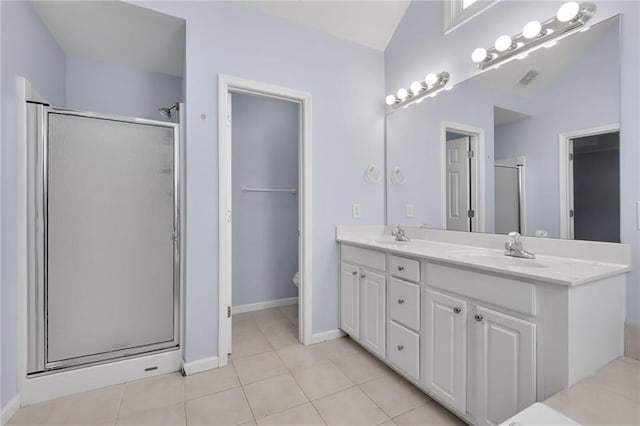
{"x":571,"y":213}
{"x":571,"y":157}
{"x":471,"y":213}
{"x":228,"y":311}
{"x":470,"y":154}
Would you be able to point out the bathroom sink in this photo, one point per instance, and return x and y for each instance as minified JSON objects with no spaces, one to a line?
{"x":497,"y":259}
{"x":391,"y":241}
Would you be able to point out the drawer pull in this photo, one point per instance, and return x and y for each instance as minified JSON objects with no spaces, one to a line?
{"x":363,"y":276}
{"x":355,"y":272}
{"x":400,"y":301}
{"x":457,"y":310}
{"x":479,"y":317}
{"x":400,"y":268}
{"x":400,"y":347}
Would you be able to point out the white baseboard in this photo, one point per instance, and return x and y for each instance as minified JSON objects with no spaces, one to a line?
{"x":10,"y":409}
{"x":264,"y":305}
{"x":326,"y":335}
{"x":204,"y":364}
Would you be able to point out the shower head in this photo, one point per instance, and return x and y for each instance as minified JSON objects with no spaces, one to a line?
{"x":166,"y":112}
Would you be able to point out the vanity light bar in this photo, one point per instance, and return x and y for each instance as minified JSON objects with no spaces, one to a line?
{"x":432,"y":84}
{"x":570,"y":16}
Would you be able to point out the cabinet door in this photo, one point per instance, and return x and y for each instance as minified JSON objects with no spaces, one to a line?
{"x":506,"y":365}
{"x":446,"y":348}
{"x":350,"y":300}
{"x":372,"y":307}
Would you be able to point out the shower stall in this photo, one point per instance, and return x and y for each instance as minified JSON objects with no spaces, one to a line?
{"x":103,"y":231}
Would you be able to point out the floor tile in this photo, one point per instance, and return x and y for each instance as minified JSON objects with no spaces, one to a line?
{"x":338,"y":348}
{"x":259,"y":367}
{"x":172,"y":415}
{"x":209,"y":382}
{"x":590,"y":403}
{"x":620,"y":377}
{"x":349,"y":407}
{"x":388,"y":423}
{"x":35,"y":415}
{"x":271,"y":316}
{"x":247,"y":344}
{"x":144,"y":395}
{"x":281,"y":335}
{"x":304,"y":414}
{"x":394,"y":394}
{"x":431,"y":413}
{"x":229,"y":407}
{"x":320,"y":380}
{"x":301,"y":356}
{"x":273,"y":395}
{"x":361,"y":367}
{"x":88,"y":408}
{"x":291,"y":313}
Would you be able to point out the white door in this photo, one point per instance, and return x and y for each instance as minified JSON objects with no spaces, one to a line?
{"x":446,"y":348}
{"x":506,"y":365}
{"x":372,"y":304}
{"x":458,"y":193}
{"x":349,"y":299}
{"x":507,"y":199}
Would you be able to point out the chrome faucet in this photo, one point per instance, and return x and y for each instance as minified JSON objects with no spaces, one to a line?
{"x":400,"y":234}
{"x":513,"y":247}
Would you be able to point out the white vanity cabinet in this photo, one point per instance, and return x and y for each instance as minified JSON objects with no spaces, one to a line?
{"x":363,"y":296}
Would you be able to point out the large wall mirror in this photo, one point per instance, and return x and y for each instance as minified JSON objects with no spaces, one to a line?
{"x":531,"y":146}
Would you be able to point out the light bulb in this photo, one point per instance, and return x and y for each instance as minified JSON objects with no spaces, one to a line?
{"x":479,"y":55}
{"x":390,"y":100}
{"x":568,"y":11}
{"x":431,"y":79}
{"x":503,"y":43}
{"x":532,"y":29}
{"x":402,"y":94}
{"x":416,"y":87}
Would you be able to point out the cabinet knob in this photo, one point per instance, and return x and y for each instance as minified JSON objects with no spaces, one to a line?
{"x":363,"y":276}
{"x":400,"y":301}
{"x":457,"y":310}
{"x":400,"y":268}
{"x":400,"y":347}
{"x":479,"y":317}
{"x":355,"y":272}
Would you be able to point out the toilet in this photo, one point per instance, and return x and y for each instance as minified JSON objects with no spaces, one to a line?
{"x":296,"y":279}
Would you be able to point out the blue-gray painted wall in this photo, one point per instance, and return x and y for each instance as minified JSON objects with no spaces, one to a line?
{"x":264,"y":148}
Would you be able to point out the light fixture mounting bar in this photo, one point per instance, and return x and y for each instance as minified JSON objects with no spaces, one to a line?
{"x":552,"y":29}
{"x":429,"y":90}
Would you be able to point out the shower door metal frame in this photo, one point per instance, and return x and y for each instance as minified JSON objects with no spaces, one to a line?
{"x":37,"y":361}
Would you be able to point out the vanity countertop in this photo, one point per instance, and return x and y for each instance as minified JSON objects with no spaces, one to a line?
{"x":551,"y":269}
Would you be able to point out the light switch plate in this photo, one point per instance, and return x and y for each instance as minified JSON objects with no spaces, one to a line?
{"x":409,"y":210}
{"x":355,"y":211}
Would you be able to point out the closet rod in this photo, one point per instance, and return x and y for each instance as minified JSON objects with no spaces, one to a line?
{"x":248,"y":189}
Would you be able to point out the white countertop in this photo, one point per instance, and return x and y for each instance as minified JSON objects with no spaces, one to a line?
{"x":551,"y":269}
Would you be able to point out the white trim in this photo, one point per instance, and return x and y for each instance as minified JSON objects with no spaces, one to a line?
{"x":204,"y":364}
{"x":326,"y":335}
{"x":250,"y":307}
{"x":56,"y":385}
{"x":565,"y":186}
{"x":477,"y":172}
{"x":455,"y":15}
{"x":227,"y":84}
{"x":9,"y":410}
{"x":515,"y":162}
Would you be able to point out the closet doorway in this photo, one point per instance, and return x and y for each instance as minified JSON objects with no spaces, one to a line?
{"x":265,"y":206}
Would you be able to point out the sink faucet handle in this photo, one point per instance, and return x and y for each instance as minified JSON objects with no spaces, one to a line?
{"x":396,"y":230}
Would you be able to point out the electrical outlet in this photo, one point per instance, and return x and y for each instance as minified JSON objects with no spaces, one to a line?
{"x":409,"y":210}
{"x":355,"y":211}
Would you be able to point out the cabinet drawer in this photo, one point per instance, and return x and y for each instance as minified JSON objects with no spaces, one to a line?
{"x":403,"y":350}
{"x":369,"y":258}
{"x":401,"y":267}
{"x":505,"y":292}
{"x":404,"y":303}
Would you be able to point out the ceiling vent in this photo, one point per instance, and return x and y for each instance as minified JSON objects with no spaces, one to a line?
{"x":528,"y":78}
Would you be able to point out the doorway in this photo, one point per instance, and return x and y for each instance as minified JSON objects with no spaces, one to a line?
{"x":462,"y":177}
{"x":590,"y":190}
{"x":254,"y":181}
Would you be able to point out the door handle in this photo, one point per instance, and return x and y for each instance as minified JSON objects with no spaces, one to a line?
{"x":457,"y":310}
{"x":479,"y":317}
{"x":363,"y":276}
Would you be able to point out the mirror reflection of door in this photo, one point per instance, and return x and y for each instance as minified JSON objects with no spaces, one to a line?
{"x":509,"y":195}
{"x":594,"y":168}
{"x":458,"y":165}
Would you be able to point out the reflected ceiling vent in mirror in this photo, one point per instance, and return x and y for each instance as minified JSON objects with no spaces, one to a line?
{"x":570,"y":17}
{"x":419,"y":90}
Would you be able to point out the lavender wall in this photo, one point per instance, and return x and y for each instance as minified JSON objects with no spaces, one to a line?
{"x":265,"y":224}
{"x":28,"y":50}
{"x":563,"y":106}
{"x":120,"y":90}
{"x":346,"y":82}
{"x":419,"y":46}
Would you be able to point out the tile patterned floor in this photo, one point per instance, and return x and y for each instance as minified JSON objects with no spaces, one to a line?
{"x":273,"y":380}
